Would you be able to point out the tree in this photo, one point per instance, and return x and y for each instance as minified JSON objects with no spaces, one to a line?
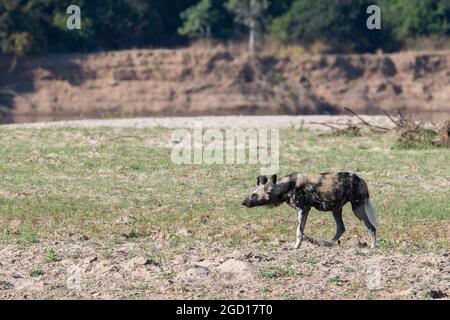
{"x":198,"y":20}
{"x":340,"y":23}
{"x":22,"y":27}
{"x":413,"y":18}
{"x":249,"y":13}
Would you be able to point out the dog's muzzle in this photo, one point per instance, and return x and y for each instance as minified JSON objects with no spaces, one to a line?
{"x":247,"y":203}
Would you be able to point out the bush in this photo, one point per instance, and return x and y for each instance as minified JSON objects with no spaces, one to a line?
{"x":414,"y":18}
{"x":39,"y":26}
{"x":341,"y":23}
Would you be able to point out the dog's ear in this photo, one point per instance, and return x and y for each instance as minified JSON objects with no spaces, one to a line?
{"x":261,"y":180}
{"x":273,"y":179}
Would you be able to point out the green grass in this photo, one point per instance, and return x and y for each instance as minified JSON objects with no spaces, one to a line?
{"x":277,"y":273}
{"x":336,"y":280}
{"x":28,"y":234}
{"x":57,"y":183}
{"x":51,"y":255}
{"x":307,"y":260}
{"x":37,"y":273}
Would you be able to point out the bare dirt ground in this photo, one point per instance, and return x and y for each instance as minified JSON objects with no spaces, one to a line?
{"x":86,"y":270}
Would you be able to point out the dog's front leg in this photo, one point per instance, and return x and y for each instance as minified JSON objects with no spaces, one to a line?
{"x":302,"y":215}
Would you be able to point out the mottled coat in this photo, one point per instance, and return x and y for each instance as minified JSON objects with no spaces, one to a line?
{"x":324,"y":192}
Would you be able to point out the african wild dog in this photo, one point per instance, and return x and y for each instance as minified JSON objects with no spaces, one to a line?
{"x":324,"y":191}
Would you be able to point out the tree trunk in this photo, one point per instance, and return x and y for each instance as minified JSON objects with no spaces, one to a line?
{"x":251,"y":40}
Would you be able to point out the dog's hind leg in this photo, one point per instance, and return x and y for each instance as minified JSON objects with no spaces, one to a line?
{"x":367,"y":214}
{"x":301,"y":221}
{"x":340,"y":228}
{"x":372,"y":231}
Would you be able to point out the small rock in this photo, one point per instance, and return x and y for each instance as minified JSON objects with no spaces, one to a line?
{"x":403,"y":293}
{"x":250,"y":257}
{"x":277,"y":242}
{"x":355,"y":241}
{"x":185,"y":232}
{"x":197,"y":272}
{"x":87,"y":263}
{"x":236,"y":266}
{"x":123,"y":220}
{"x":150,"y":264}
{"x":236,"y":254}
{"x":114,"y":269}
{"x":437,"y":294}
{"x":137,"y":261}
{"x":89,"y":259}
{"x":181,"y":259}
{"x":5,"y":285}
{"x":104,"y":267}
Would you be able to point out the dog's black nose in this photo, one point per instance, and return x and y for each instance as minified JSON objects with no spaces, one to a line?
{"x":244,"y":203}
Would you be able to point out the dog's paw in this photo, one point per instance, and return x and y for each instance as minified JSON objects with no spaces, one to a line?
{"x":375,"y":244}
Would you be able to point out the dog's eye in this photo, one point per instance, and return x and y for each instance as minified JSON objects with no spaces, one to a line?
{"x":254,"y":196}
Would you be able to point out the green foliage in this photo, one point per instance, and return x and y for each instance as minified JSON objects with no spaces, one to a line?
{"x":39,"y":26}
{"x":21,"y":27}
{"x":37,"y":273}
{"x":51,"y":255}
{"x":251,"y":14}
{"x":247,"y":12}
{"x":277,"y":273}
{"x":342,"y":23}
{"x":336,"y":280}
{"x":412,"y":18}
{"x":18,"y":43}
{"x":33,"y":26}
{"x":198,"y":20}
{"x":28,"y":234}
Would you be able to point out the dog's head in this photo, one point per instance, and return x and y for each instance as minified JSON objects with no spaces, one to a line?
{"x":261,"y":195}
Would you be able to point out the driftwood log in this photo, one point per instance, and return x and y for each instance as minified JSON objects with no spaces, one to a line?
{"x":407,"y":130}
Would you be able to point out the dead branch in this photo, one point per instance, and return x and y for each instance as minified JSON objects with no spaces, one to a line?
{"x":350,"y":128}
{"x":325,"y":124}
{"x":392,"y":119}
{"x":409,"y":132}
{"x":372,"y":127}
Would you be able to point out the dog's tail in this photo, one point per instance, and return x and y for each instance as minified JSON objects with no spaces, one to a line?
{"x":366,"y":211}
{"x":370,"y":212}
{"x":361,"y":205}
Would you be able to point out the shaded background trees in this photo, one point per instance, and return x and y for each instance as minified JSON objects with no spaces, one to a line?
{"x":39,"y":26}
{"x":341,"y":24}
